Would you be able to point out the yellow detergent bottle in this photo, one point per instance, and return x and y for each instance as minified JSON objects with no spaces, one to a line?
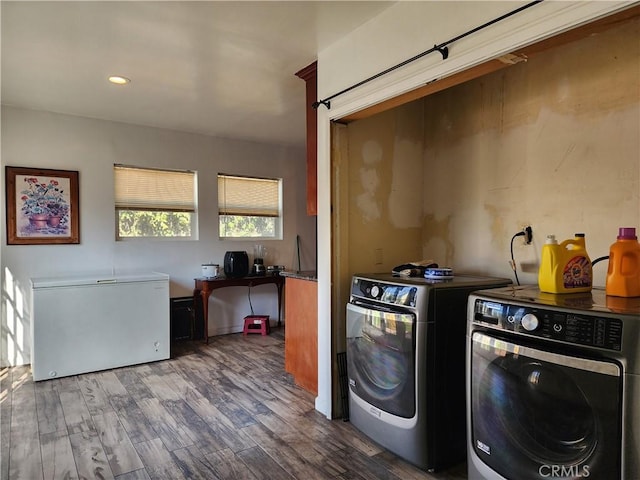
{"x":565,"y":267}
{"x":623,"y":274}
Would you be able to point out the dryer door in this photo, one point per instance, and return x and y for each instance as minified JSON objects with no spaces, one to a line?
{"x":380,"y":358}
{"x":541,"y":414}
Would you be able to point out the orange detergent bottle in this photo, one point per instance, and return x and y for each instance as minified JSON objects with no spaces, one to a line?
{"x":565,"y":267}
{"x":623,"y":274}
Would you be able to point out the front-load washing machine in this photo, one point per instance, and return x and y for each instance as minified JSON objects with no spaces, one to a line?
{"x":405,"y":362}
{"x":553,"y":385}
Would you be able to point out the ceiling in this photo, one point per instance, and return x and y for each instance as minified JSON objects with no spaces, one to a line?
{"x":216,"y":68}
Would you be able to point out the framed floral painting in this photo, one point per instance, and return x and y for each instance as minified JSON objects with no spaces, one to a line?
{"x":42,"y":206}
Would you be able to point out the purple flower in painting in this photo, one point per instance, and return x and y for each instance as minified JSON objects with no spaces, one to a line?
{"x":43,"y":198}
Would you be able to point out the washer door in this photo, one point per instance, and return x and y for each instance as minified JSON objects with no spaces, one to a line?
{"x":380,"y":358}
{"x":538,"y":414}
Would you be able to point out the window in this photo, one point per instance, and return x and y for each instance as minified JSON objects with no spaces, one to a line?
{"x":152,"y":203}
{"x":249,"y":207}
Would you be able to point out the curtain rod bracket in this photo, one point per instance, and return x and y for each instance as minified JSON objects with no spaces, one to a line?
{"x":444,"y":51}
{"x":326,"y":103}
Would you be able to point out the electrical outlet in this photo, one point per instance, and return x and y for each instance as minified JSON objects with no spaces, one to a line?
{"x":528,"y":234}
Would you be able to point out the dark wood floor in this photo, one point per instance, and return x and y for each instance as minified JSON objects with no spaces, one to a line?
{"x":226,"y":410}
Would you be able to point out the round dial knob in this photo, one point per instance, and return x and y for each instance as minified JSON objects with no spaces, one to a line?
{"x":375,"y":291}
{"x":530,"y":322}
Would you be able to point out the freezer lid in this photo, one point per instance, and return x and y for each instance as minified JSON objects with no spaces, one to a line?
{"x":96,"y":279}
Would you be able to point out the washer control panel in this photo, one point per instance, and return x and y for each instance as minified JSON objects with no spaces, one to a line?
{"x":384,"y":292}
{"x":568,"y":327}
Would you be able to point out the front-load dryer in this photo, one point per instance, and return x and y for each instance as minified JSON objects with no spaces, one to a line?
{"x":553,"y":385}
{"x":405,"y":362}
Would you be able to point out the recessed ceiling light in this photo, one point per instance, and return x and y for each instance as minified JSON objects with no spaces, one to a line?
{"x":118,"y":80}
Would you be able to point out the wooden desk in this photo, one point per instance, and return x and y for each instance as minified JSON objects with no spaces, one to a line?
{"x":204,"y":287}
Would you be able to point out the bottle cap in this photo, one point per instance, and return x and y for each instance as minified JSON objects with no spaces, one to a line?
{"x":627,"y":233}
{"x":551,"y":239}
{"x":579,"y":235}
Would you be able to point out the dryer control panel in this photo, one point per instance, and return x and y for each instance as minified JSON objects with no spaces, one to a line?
{"x":389,"y":293}
{"x":568,"y":327}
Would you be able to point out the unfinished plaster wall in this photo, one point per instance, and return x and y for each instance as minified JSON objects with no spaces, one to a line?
{"x":385,"y":187}
{"x":552,"y":142}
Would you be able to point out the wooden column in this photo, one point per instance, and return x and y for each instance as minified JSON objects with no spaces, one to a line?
{"x":309,"y":75}
{"x":301,"y":332}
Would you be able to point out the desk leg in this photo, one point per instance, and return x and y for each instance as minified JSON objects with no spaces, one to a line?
{"x":204,"y":294}
{"x":280,"y":286}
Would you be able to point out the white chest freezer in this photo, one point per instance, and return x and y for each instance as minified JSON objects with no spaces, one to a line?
{"x":83,"y":324}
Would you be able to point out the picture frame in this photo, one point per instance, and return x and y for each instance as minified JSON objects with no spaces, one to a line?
{"x":42,"y":206}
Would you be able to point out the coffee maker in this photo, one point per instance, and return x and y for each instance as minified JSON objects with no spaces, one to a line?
{"x":259,"y":253}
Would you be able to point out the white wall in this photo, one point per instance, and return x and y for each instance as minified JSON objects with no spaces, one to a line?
{"x":397,"y":34}
{"x":47,"y":140}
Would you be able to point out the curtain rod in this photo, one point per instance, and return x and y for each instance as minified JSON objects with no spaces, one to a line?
{"x":442,"y":48}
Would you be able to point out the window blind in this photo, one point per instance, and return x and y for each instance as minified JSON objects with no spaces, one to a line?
{"x":248,"y":196}
{"x":151,"y":189}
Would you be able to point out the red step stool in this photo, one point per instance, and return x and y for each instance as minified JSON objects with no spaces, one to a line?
{"x":256,"y":324}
